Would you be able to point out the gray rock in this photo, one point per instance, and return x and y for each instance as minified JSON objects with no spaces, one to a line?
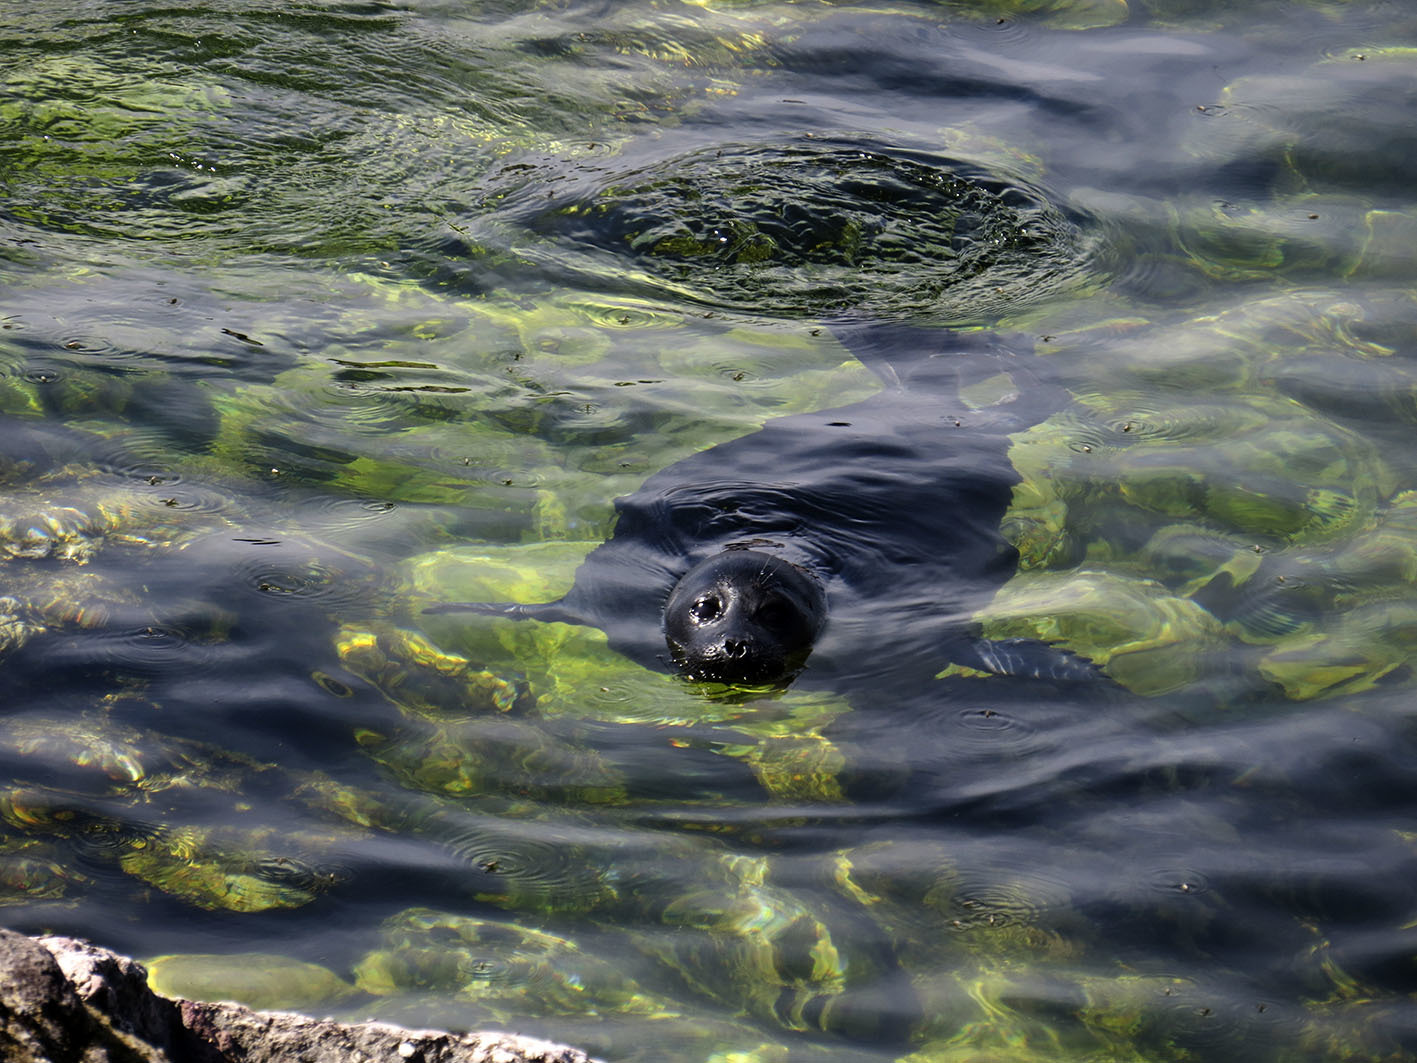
{"x":66,"y":1001}
{"x":43,"y":1018}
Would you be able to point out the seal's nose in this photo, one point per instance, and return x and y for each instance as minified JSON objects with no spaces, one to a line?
{"x":736,"y":649}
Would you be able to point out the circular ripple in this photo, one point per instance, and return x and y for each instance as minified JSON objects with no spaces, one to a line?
{"x":1004,"y":896}
{"x":140,"y":471}
{"x":989,"y":731}
{"x":297,"y":874}
{"x":1180,"y":881}
{"x":619,"y":695}
{"x":171,"y":496}
{"x":1188,"y":423}
{"x":308,"y":581}
{"x":545,"y":872}
{"x":42,"y":374}
{"x":999,"y":31}
{"x":738,"y":372}
{"x":1086,"y":435}
{"x":341,"y":513}
{"x":151,"y":649}
{"x":1215,"y":1020}
{"x":290,"y":569}
{"x":92,"y":346}
{"x":816,"y":228}
{"x":141,"y":456}
{"x":627,"y":316}
{"x":99,"y":841}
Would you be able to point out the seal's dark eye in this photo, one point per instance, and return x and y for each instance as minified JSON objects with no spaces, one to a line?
{"x":707,"y":608}
{"x":775,"y":613}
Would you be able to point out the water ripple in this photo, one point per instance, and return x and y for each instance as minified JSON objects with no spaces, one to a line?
{"x":825,"y":226}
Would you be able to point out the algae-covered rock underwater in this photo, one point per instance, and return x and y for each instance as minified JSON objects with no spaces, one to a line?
{"x":1057,"y":356}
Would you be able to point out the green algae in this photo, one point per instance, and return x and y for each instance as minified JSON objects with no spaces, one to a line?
{"x":122,"y":806}
{"x":497,"y":967}
{"x":33,"y":870}
{"x":557,"y":671}
{"x":1160,"y":528}
{"x":1144,"y":637}
{"x":538,"y":394}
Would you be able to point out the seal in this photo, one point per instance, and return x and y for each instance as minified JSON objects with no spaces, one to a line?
{"x":743,"y":617}
{"x":855,"y":543}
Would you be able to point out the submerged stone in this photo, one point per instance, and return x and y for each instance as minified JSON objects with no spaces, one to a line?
{"x":1144,"y":637}
{"x":498,"y":968}
{"x":257,"y":979}
{"x":1222,"y":520}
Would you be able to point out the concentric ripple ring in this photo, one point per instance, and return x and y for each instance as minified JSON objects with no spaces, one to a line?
{"x":815,"y":228}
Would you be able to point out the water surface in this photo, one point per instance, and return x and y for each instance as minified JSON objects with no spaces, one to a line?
{"x":315,"y":314}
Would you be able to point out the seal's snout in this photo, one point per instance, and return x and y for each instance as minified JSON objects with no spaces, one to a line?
{"x":737,"y":661}
{"x":743,"y":616}
{"x":736,"y":649}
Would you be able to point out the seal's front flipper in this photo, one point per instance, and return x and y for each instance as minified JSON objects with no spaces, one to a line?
{"x":550,"y":612}
{"x":972,"y":373}
{"x":906,"y":355}
{"x":1029,"y":659}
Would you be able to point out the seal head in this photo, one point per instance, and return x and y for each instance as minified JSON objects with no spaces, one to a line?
{"x":745,"y":617}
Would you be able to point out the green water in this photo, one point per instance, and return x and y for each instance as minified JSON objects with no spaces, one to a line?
{"x":315,"y":314}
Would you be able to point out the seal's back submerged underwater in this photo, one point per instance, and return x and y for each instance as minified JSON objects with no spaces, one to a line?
{"x":865,"y":537}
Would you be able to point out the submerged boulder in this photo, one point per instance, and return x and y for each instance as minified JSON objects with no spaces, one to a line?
{"x":65,"y":1001}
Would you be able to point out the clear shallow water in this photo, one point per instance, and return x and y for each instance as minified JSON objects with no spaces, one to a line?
{"x":314,"y":315}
